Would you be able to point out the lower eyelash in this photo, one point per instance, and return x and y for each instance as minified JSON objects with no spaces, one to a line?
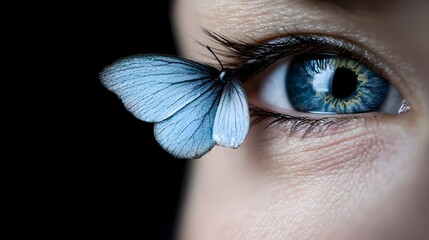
{"x":297,"y":125}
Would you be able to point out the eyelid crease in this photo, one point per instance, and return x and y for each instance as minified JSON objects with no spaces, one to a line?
{"x":246,"y":59}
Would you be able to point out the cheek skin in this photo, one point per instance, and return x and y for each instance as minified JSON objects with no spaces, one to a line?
{"x":366,"y":179}
{"x":349,"y":147}
{"x":280,"y":187}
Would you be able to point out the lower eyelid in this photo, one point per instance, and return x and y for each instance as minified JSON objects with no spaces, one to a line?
{"x":308,"y":126}
{"x":357,"y":144}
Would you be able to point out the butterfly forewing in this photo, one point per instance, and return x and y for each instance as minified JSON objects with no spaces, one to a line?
{"x":232,"y":117}
{"x":188,"y":133}
{"x":154,"y":87}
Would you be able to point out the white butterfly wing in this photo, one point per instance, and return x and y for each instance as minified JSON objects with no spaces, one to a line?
{"x":154,"y":87}
{"x":191,"y":110}
{"x":188,"y":133}
{"x":232,"y":117}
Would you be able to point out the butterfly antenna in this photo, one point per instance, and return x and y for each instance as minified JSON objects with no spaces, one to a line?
{"x":215,"y":56}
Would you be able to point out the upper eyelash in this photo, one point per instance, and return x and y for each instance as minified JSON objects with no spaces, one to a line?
{"x":245,"y":59}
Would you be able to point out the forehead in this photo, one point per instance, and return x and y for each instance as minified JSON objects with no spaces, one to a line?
{"x":270,"y":14}
{"x":396,"y":23}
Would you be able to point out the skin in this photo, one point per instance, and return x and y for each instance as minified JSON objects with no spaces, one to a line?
{"x":364,"y":180}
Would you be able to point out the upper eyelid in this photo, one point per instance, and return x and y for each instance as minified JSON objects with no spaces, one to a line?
{"x":238,"y":53}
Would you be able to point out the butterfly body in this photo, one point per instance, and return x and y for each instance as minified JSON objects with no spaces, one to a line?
{"x":223,"y":75}
{"x":194,"y":106}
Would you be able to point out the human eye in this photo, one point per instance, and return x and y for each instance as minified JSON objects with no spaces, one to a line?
{"x":327,"y":84}
{"x":312,"y":81}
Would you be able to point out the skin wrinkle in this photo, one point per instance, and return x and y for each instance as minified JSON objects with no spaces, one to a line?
{"x":361,"y":178}
{"x":305,"y":198}
{"x":348,"y":153}
{"x":259,"y":15}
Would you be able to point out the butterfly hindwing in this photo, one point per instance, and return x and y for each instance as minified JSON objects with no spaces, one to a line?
{"x":188,"y":133}
{"x":232,"y":117}
{"x":154,"y":87}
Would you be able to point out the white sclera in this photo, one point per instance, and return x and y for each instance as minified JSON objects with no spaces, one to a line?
{"x":394,"y":102}
{"x":273,"y":90}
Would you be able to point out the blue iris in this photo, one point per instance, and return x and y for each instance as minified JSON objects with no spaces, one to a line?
{"x":332,"y":84}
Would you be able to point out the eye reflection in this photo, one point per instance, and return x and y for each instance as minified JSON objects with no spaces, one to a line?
{"x":328,"y":84}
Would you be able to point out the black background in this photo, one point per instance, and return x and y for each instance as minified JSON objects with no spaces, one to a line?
{"x":89,"y":169}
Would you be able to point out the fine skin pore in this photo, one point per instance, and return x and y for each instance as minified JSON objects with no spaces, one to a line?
{"x":364,"y":180}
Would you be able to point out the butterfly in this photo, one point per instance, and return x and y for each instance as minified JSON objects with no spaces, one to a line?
{"x":193,"y":106}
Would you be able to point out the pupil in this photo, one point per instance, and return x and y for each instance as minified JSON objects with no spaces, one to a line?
{"x":344,"y":83}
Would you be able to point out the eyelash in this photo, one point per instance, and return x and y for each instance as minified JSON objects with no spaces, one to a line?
{"x":245,"y":59}
{"x":303,"y":126}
